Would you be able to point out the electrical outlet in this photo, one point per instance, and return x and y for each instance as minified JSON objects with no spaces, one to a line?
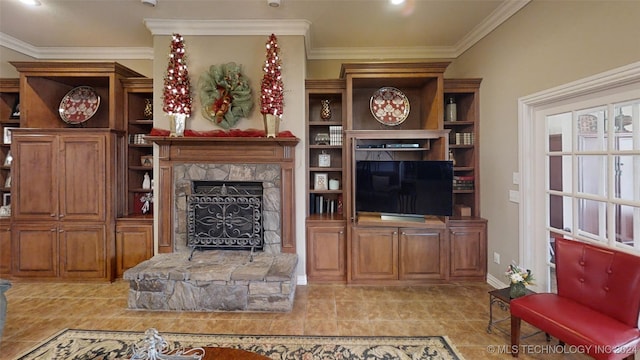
{"x":496,"y":258}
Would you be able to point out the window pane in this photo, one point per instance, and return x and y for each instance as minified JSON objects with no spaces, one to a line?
{"x":592,"y":174}
{"x":560,"y":212}
{"x":623,"y":121}
{"x":627,"y":177}
{"x":560,"y":170}
{"x":624,"y":223}
{"x":559,"y":126}
{"x":592,"y":133}
{"x":592,"y":217}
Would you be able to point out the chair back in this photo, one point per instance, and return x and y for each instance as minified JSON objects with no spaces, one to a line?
{"x":604,"y":279}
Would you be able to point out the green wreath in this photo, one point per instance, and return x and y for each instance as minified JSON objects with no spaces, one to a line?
{"x":225,"y":95}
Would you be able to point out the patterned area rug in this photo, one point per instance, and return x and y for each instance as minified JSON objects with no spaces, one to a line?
{"x":90,"y":344}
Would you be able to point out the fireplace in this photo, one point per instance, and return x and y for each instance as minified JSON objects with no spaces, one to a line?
{"x":225,"y":215}
{"x":184,"y":160}
{"x":204,"y":180}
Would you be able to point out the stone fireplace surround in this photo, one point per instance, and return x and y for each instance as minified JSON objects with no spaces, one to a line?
{"x":220,"y":280}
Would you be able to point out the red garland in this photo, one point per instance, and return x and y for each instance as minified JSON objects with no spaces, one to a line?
{"x":176,"y":94}
{"x":222,"y":133}
{"x":271,"y":97}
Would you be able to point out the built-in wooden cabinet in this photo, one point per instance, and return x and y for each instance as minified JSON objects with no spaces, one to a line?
{"x":9,"y":120}
{"x":43,"y":84}
{"x":134,"y":242}
{"x":463,"y":139}
{"x":74,"y":251}
{"x":64,"y":183}
{"x":399,"y":251}
{"x":468,"y":243}
{"x":325,"y":118}
{"x":138,"y":105}
{"x":74,"y":179}
{"x":393,"y":252}
{"x":5,"y":246}
{"x":327,"y":247}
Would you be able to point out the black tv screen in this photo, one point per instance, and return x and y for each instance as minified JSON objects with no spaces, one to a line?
{"x":415,"y":188}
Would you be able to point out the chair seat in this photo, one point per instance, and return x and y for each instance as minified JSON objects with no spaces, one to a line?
{"x":575,"y":323}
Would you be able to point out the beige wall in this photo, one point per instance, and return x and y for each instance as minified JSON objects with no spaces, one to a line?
{"x":546,"y":44}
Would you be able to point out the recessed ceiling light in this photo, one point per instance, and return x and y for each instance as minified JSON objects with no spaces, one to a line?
{"x":273,"y":3}
{"x":396,"y":2}
{"x":31,"y":2}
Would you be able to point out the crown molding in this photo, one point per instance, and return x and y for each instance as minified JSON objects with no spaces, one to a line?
{"x":495,"y":19}
{"x":79,"y":53}
{"x":228,"y":27}
{"x":409,"y":52}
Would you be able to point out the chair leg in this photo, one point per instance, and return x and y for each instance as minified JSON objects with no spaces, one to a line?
{"x":515,"y":335}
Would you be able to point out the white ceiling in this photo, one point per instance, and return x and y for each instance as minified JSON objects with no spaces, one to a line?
{"x":333,"y":29}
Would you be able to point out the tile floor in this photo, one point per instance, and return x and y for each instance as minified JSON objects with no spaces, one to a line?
{"x":460,"y":311}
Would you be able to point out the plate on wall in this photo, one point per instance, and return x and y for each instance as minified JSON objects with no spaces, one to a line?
{"x":389,"y":106}
{"x":79,"y":105}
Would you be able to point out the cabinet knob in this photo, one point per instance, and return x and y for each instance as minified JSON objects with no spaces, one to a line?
{"x":61,"y":215}
{"x":53,"y":215}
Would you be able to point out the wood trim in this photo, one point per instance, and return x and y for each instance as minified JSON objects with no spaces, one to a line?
{"x":179,"y":150}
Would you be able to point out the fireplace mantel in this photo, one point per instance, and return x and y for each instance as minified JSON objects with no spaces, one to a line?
{"x":223,"y":150}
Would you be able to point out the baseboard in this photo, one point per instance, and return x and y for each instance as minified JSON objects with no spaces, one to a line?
{"x":493,"y":281}
{"x":302,"y":280}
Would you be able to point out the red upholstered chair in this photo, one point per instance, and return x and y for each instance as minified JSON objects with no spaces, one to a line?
{"x":597,"y":304}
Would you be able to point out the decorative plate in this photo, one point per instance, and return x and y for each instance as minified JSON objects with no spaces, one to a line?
{"x":79,"y":105}
{"x":389,"y":106}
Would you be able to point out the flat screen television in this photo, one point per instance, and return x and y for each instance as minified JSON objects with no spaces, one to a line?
{"x":404,"y":188}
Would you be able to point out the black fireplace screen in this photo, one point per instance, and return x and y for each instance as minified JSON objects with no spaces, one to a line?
{"x":225,"y":215}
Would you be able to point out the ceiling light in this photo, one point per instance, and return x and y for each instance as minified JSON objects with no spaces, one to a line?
{"x":396,"y":2}
{"x":273,"y":3}
{"x":150,"y":2}
{"x":31,"y":2}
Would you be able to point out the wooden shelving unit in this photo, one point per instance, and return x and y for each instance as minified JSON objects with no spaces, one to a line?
{"x":349,"y":248}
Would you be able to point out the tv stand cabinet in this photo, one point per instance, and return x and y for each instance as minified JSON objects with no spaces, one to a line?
{"x":393,"y":252}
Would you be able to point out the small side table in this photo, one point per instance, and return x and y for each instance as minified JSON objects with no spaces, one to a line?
{"x":501,"y":298}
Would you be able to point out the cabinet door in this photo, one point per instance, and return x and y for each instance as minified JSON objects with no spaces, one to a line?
{"x":374,"y":254}
{"x":5,"y":247}
{"x":134,"y":244}
{"x":326,"y":253}
{"x":35,"y":248}
{"x":422,"y":254}
{"x":82,"y":250}
{"x":34,"y":176}
{"x":83,"y":177}
{"x":468,"y":251}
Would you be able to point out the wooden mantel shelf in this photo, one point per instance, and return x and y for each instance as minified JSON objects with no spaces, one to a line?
{"x":281,"y":141}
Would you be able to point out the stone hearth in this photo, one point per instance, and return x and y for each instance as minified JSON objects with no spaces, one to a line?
{"x":214,"y":280}
{"x":220,"y":280}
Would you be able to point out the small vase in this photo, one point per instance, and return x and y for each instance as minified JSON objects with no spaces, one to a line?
{"x":517,"y":290}
{"x":177,"y":124}
{"x":325,"y":109}
{"x":148,"y":109}
{"x":271,"y":125}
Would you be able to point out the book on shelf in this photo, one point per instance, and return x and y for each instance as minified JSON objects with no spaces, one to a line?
{"x":319,"y":204}
{"x":462,"y":138}
{"x":335,"y":135}
{"x":462,"y":182}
